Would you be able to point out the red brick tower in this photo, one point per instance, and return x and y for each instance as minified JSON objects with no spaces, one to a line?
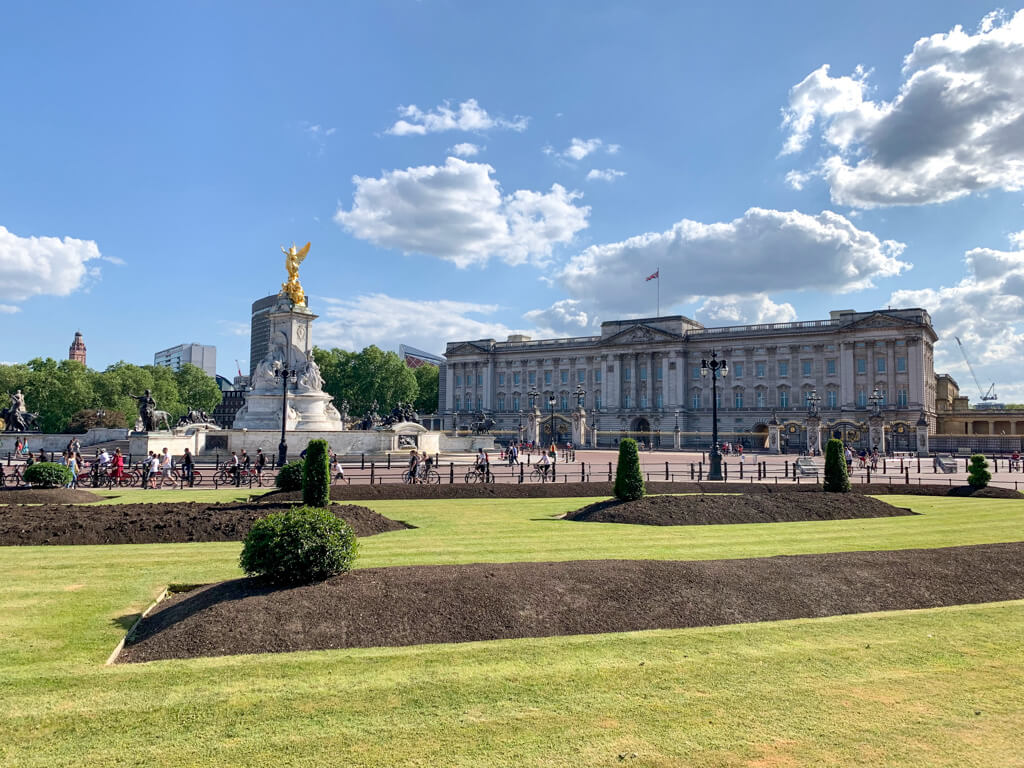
{"x":77,"y":350}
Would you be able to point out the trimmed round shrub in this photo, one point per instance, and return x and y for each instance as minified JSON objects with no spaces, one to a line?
{"x":289,"y":478}
{"x":977,"y":473}
{"x":300,"y":546}
{"x":316,"y":475}
{"x":836,"y":478}
{"x":629,"y":479}
{"x":47,"y":474}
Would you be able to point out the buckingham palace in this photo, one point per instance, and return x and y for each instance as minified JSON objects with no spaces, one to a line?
{"x":643,"y":378}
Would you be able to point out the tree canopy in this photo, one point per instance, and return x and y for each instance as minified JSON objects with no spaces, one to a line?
{"x":361,"y":378}
{"x":60,"y":391}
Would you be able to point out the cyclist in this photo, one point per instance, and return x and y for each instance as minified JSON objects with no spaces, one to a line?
{"x":423,"y":470}
{"x":1015,"y":460}
{"x":544,"y":464}
{"x":414,"y":463}
{"x":483,"y":464}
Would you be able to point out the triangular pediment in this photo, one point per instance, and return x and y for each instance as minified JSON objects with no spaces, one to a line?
{"x":640,"y":334}
{"x":878,"y":320}
{"x":466,"y":348}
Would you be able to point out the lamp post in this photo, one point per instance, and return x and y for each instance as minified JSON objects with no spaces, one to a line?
{"x":812,"y":402}
{"x":282,"y":449}
{"x":717,"y":368}
{"x":876,"y":401}
{"x":551,"y":425}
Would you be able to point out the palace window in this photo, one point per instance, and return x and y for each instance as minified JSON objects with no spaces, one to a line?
{"x":880,"y":364}
{"x":901,"y":398}
{"x":831,"y":398}
{"x":458,"y":380}
{"x":862,"y":365}
{"x":501,"y":402}
{"x":783,"y":368}
{"x":695,"y":401}
{"x":515,"y":379}
{"x":696,"y":371}
{"x":718,"y":399}
{"x":883,"y":395}
{"x":737,"y":399}
{"x":565,"y":377}
{"x":830,"y":367}
{"x":597,"y":401}
{"x":737,"y":370}
{"x":759,"y":370}
{"x":643,"y":401}
{"x":469,"y":402}
{"x":901,"y":365}
{"x":469,"y":379}
{"x":458,"y":403}
{"x":597,"y":375}
{"x":659,"y":402}
{"x":627,"y":374}
{"x":783,"y":398}
{"x":515,"y":402}
{"x":658,"y":373}
{"x":501,"y":379}
{"x":533,"y":378}
{"x":565,"y":403}
{"x":547,"y":378}
{"x":581,"y":376}
{"x":643,"y":373}
{"x":862,"y":398}
{"x":760,"y":398}
{"x":626,"y":401}
{"x":806,"y":367}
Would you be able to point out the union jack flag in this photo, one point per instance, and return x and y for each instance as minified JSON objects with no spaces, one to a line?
{"x":654,"y":276}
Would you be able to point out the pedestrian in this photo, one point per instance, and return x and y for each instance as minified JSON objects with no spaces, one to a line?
{"x":187,"y":467}
{"x":337,"y":473}
{"x":73,"y":466}
{"x":17,"y":448}
{"x":118,"y":463}
{"x":165,"y":465}
{"x":261,"y":463}
{"x":147,"y":469}
{"x":414,"y":462}
{"x":236,"y":467}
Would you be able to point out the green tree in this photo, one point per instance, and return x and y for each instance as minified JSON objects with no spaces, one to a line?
{"x":977,"y":473}
{"x":196,"y":389}
{"x":836,"y":478}
{"x":336,"y":369}
{"x":427,"y":388}
{"x":118,"y":383}
{"x":364,"y":377}
{"x":629,"y":479}
{"x":56,"y":391}
{"x":165,"y":391}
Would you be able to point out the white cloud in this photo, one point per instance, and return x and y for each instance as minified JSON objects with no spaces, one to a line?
{"x":608,"y":174}
{"x":797,"y":179}
{"x":469,"y":116}
{"x":760,"y":252}
{"x":8,"y":309}
{"x":986,"y":310}
{"x":956,"y":126}
{"x":743,"y":310}
{"x":388,"y":321}
{"x":33,"y":266}
{"x":465,"y":149}
{"x":457,"y":212}
{"x":580,"y":148}
{"x":1017,"y":239}
{"x":563,"y":318}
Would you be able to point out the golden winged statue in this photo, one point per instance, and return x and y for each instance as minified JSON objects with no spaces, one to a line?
{"x":292,"y":289}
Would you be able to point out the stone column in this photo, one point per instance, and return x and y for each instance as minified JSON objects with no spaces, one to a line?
{"x":846,"y":375}
{"x":579,"y":427}
{"x":533,"y":427}
{"x":814,"y":435}
{"x":489,"y":385}
{"x":677,"y":441}
{"x":593,"y":435}
{"x":922,"y":436}
{"x":876,"y":432}
{"x":773,"y":438}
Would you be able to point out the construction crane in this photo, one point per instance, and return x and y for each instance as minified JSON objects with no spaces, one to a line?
{"x":238,"y":365}
{"x":985,"y":396}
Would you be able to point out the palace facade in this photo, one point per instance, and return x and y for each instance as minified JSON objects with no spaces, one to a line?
{"x":644,"y":376}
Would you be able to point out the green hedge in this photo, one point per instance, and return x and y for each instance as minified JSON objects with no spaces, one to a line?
{"x":316,"y":475}
{"x":302,"y":545}
{"x":837,"y":480}
{"x":977,"y":473}
{"x":289,"y":478}
{"x":629,"y":479}
{"x":47,"y":474}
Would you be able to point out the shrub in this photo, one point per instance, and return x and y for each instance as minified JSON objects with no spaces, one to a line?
{"x":47,"y":474}
{"x":302,"y":545}
{"x":977,"y":473}
{"x":629,"y":480}
{"x":316,"y":475}
{"x":289,"y":478}
{"x":836,"y":478}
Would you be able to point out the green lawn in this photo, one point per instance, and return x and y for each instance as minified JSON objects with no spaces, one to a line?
{"x":896,"y":689}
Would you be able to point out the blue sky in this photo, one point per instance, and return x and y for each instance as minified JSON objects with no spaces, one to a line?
{"x":467,"y":170}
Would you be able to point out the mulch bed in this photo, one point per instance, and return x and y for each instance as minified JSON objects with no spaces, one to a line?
{"x":158,"y":523}
{"x":704,"y":509}
{"x":459,"y":603}
{"x":26,"y":495}
{"x":558,"y":489}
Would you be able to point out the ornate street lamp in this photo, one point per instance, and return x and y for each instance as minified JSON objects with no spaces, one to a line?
{"x":282,"y":449}
{"x":716,"y":368}
{"x":876,"y":401}
{"x":581,"y":395}
{"x":532,"y":395}
{"x":812,"y":402}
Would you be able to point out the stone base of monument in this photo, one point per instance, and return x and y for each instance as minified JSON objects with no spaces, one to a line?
{"x":308,"y":411}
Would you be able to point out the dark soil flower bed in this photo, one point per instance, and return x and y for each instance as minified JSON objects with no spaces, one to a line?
{"x":604,"y":489}
{"x":707,"y":509}
{"x":157,"y":523}
{"x":458,"y":603}
{"x":26,"y":495}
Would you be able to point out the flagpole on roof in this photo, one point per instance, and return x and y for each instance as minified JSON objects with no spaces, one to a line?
{"x":658,"y":273}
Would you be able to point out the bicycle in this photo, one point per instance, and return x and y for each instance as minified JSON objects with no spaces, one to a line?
{"x":539,"y":475}
{"x":429,"y":477}
{"x":225,"y":476}
{"x":181,"y":479}
{"x":479,"y":475}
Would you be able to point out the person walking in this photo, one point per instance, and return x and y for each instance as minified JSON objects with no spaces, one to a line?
{"x":147,"y":470}
{"x":73,"y":466}
{"x":166,"y":465}
{"x":236,"y":468}
{"x":261,"y":464}
{"x":187,"y":467}
{"x":118,"y":462}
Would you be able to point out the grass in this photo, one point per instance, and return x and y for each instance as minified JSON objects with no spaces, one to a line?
{"x":896,"y":688}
